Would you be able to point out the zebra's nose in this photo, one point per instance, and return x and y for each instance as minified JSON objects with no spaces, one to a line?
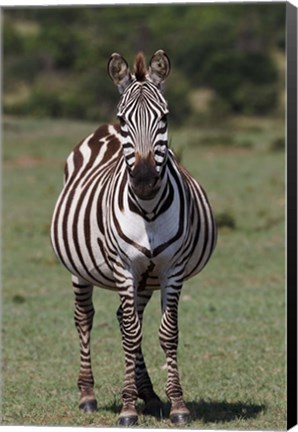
{"x":144,"y":178}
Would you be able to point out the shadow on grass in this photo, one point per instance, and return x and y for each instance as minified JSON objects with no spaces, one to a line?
{"x":210,"y":411}
{"x":222,"y":412}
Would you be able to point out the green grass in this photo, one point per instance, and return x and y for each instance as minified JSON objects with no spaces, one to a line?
{"x":232,"y":316}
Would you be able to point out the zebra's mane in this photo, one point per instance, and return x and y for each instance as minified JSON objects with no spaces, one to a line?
{"x":140,"y":69}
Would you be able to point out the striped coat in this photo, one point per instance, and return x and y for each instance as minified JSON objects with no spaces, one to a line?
{"x":97,"y":219}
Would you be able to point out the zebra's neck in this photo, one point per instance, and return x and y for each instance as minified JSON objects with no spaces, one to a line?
{"x":150,"y":208}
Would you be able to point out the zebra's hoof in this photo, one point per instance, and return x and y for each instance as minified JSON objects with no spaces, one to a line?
{"x":88,"y":405}
{"x":180,"y":418}
{"x":154,"y":408}
{"x":128,"y":421}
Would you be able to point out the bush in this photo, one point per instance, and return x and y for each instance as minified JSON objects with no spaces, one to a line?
{"x":177,"y":90}
{"x":255,"y":99}
{"x":223,"y":47}
{"x":62,"y":48}
{"x":44,"y":104}
{"x":225,"y":220}
{"x":278,"y":144}
{"x":12,"y":41}
{"x":246,"y":81}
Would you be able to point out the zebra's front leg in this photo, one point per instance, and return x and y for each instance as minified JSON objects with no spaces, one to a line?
{"x":153,"y":404}
{"x":168,"y":335}
{"x":83,"y":316}
{"x":131,"y":341}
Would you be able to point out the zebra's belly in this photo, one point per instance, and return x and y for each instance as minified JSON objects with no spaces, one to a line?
{"x":82,"y":260}
{"x":149,"y":262}
{"x":147,"y":280}
{"x":153,"y":252}
{"x":87,"y":256}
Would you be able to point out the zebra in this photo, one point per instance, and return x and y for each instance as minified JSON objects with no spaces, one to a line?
{"x":131,"y":219}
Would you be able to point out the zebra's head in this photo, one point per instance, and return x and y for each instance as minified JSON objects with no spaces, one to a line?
{"x":142,"y":112}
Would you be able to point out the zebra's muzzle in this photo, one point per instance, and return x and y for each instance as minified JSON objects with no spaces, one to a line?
{"x":145,"y":179}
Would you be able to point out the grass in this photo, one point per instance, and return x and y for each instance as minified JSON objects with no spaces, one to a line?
{"x":231,"y":316}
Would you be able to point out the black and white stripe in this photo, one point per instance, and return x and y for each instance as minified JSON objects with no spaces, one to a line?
{"x":131,"y":219}
{"x":143,"y":118}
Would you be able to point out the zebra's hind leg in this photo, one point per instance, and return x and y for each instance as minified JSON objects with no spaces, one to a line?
{"x":168,"y":335}
{"x":83,"y":316}
{"x":153,"y":405}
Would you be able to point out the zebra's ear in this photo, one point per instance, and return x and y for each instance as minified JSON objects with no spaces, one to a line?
{"x":119,"y":71}
{"x":159,"y":67}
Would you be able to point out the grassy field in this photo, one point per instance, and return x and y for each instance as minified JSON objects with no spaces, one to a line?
{"x":232,"y":316}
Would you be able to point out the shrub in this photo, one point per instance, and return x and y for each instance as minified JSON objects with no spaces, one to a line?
{"x":225,"y":220}
{"x":246,"y":81}
{"x":12,"y":41}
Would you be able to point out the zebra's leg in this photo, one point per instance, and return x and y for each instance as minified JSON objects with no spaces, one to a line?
{"x":131,"y":341}
{"x":168,"y":335}
{"x":153,"y":405}
{"x":83,"y":316}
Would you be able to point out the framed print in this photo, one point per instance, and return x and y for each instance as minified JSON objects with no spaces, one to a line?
{"x":149,"y":159}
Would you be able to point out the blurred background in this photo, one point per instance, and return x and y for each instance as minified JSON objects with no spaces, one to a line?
{"x":226,"y":59}
{"x":226,"y":95}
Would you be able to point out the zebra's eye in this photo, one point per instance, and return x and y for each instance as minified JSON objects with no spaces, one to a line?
{"x":164,"y":118}
{"x":122,"y":121}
